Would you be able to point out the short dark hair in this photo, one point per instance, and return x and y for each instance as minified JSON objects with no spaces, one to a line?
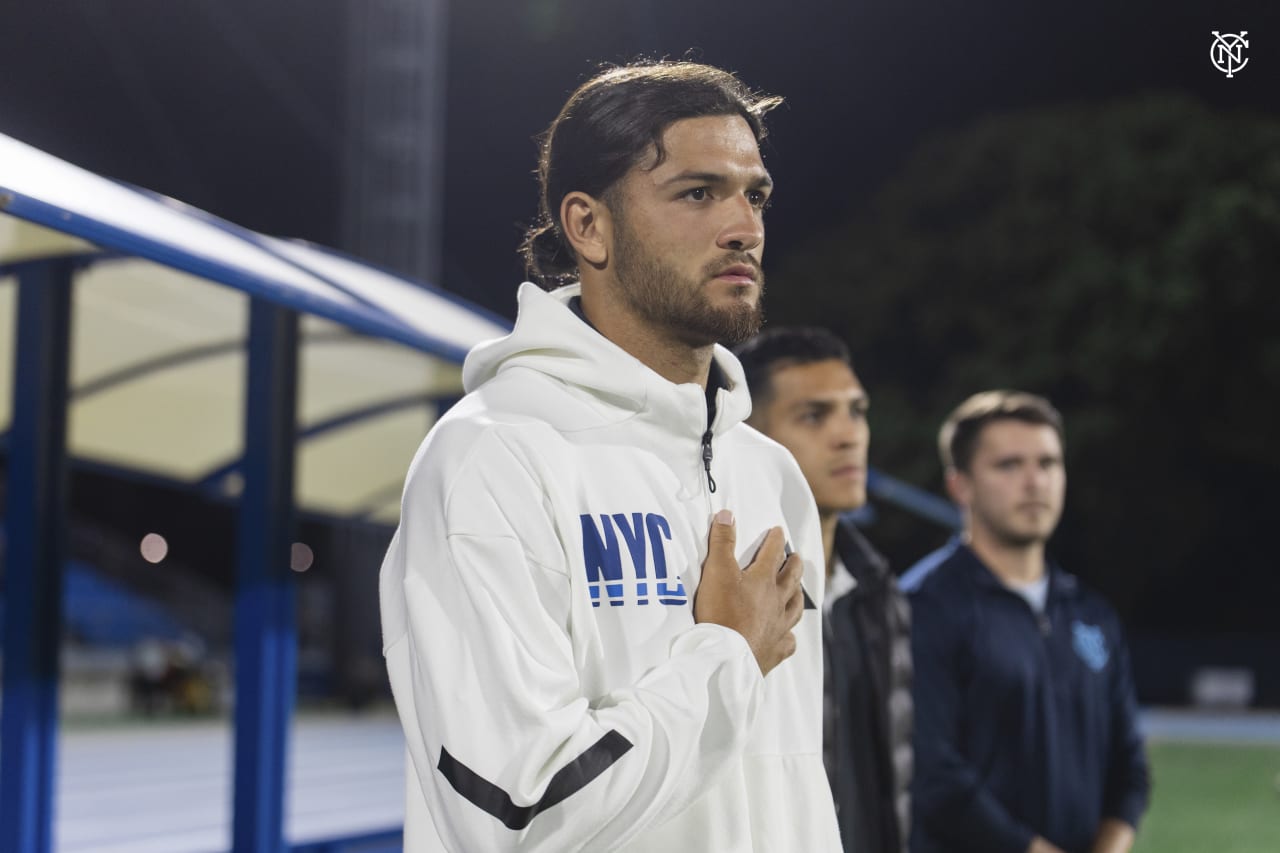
{"x":607,"y":126}
{"x":958,"y":438}
{"x":785,"y":346}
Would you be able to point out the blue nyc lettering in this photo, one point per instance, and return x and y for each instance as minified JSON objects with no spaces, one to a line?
{"x":643,"y":533}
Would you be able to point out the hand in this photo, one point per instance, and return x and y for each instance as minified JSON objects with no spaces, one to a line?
{"x":1114,"y":836}
{"x":1039,"y":845}
{"x":762,"y":602}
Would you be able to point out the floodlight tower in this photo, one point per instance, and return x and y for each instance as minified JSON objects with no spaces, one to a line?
{"x":391,"y":216}
{"x":395,"y":89}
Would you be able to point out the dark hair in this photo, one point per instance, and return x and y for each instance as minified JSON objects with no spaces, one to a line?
{"x":785,"y":346}
{"x":958,"y":437}
{"x":607,"y":126}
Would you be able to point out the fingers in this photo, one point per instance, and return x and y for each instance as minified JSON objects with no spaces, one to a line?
{"x":794,"y":607}
{"x":772,"y":551}
{"x":722,"y":540}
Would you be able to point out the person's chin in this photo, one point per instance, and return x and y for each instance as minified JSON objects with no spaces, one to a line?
{"x":844,"y":502}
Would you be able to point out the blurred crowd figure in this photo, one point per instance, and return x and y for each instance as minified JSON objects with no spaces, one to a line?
{"x":806,"y":396}
{"x":1026,"y":728}
{"x":171,"y":675}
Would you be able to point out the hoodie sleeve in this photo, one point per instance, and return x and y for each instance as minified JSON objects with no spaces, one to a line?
{"x":1128,"y":775}
{"x":510,"y":751}
{"x":948,"y":796}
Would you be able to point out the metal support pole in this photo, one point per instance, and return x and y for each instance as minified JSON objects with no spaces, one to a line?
{"x":35,"y":527}
{"x":265,"y":630}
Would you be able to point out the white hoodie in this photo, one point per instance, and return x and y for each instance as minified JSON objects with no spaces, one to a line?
{"x":537,"y":612}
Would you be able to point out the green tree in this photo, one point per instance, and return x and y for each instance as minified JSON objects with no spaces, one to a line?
{"x":1122,"y":259}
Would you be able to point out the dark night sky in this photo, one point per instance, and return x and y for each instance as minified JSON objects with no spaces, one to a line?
{"x":235,"y":106}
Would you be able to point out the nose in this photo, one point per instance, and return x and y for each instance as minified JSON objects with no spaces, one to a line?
{"x":850,"y":430}
{"x":744,"y":229}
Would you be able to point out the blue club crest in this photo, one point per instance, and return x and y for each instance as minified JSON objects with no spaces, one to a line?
{"x":1090,"y":644}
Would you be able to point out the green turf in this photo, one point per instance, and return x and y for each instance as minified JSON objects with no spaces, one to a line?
{"x":1212,"y":799}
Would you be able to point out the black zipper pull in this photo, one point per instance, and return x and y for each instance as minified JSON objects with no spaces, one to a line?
{"x":706,"y":460}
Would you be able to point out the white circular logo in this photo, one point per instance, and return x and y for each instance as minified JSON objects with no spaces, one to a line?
{"x":1227,"y":51}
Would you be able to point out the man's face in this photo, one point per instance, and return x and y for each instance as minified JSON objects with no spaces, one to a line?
{"x":818,"y":411}
{"x":688,"y":235}
{"x":1016,"y":483}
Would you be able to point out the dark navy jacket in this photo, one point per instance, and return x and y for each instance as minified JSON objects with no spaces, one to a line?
{"x":1025,"y":724}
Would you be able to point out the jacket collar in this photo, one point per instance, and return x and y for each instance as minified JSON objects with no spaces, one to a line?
{"x":867,"y":565}
{"x":1061,"y":583}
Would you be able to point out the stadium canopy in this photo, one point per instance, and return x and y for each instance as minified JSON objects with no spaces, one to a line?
{"x":159,"y":327}
{"x":142,"y":335}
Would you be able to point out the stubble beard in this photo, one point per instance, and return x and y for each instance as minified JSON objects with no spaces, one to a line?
{"x":666,"y":300}
{"x":1012,"y":535}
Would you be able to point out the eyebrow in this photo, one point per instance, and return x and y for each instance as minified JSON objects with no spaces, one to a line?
{"x":764,"y":181}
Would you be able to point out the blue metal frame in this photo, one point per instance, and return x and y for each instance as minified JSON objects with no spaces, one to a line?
{"x":913,"y":499}
{"x":356,"y":316}
{"x":34,"y":530}
{"x":265,"y":618}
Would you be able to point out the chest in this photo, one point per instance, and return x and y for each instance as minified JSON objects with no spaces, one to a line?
{"x":635,"y":522}
{"x":1018,"y":655}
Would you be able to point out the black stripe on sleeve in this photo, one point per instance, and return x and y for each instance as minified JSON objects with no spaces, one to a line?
{"x":567,"y":781}
{"x":808,"y":602}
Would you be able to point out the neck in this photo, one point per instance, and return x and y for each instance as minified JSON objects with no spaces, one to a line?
{"x":1017,"y":564}
{"x":829,"y":521}
{"x":671,"y":358}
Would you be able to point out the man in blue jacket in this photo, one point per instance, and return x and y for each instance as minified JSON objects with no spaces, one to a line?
{"x":1026,"y":731}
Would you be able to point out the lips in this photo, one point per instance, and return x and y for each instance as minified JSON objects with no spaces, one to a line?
{"x":743,"y":273}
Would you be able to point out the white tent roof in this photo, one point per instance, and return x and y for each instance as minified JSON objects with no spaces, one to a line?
{"x":159,"y":321}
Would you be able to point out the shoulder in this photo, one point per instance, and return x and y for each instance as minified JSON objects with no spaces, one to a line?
{"x":938,"y":571}
{"x":857,"y":553}
{"x":475,"y":442}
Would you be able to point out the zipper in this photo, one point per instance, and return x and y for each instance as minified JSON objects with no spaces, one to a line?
{"x":706,"y":460}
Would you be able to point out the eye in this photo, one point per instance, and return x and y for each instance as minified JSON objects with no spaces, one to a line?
{"x":759,"y":199}
{"x":697,"y":194}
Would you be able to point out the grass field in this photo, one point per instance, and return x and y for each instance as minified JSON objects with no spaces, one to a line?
{"x":1211,"y":798}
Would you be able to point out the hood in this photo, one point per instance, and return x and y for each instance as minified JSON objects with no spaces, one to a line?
{"x":549,"y":338}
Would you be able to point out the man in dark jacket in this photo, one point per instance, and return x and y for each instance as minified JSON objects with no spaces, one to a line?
{"x":1026,"y":733}
{"x":806,"y":396}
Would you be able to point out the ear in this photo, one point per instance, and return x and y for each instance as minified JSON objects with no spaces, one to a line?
{"x":959,"y":487}
{"x":588,"y":227}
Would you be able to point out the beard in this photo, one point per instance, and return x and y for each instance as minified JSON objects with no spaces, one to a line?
{"x":664,"y":298}
{"x":1010,"y":533}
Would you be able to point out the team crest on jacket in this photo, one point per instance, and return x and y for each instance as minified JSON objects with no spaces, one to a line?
{"x":628,"y":550}
{"x":1090,"y":644}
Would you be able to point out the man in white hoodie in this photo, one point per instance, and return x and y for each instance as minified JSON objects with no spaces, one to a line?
{"x":600,"y":608}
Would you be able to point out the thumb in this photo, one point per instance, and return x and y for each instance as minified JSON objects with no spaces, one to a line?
{"x":722,"y":539}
